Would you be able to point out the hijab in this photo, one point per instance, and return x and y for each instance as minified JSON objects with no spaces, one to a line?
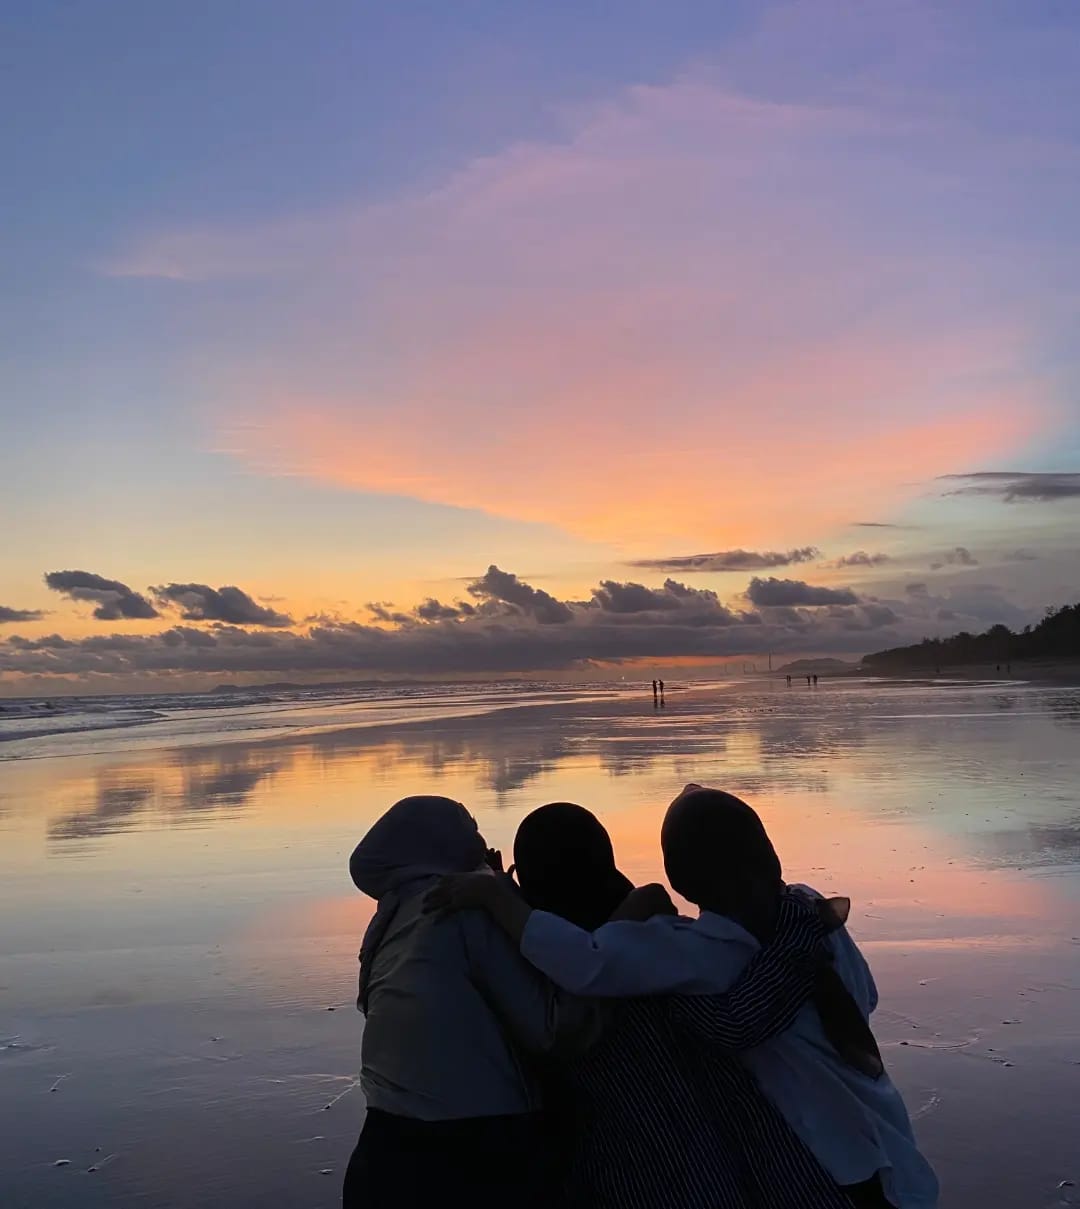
{"x":718,"y":855}
{"x":565,"y":864}
{"x":416,"y":839}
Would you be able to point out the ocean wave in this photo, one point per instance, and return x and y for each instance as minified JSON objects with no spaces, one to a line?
{"x":258,"y":709}
{"x":35,"y":727}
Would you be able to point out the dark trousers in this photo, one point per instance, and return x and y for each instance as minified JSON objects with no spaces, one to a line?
{"x":868,"y":1195}
{"x":482,"y":1162}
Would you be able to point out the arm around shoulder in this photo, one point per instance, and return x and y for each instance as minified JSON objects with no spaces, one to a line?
{"x":536,"y":1014}
{"x":768,"y":995}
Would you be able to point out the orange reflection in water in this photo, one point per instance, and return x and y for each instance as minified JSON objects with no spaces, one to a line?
{"x":177,"y":922}
{"x":265,"y":828}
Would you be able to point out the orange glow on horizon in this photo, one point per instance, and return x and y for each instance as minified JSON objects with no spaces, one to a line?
{"x":718,"y":490}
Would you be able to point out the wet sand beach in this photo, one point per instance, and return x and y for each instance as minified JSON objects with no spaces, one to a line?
{"x":179,"y":938}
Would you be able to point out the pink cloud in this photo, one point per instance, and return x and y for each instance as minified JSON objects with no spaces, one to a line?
{"x":699,"y":316}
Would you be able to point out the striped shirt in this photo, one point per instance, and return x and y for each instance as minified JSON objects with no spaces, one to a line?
{"x":856,"y":1126}
{"x":653,"y":1121}
{"x":656,"y":1123}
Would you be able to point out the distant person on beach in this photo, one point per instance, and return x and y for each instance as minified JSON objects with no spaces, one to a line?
{"x":789,"y":682}
{"x":815,"y":679}
{"x":646,"y":1119}
{"x":824,"y":1073}
{"x":655,"y":690}
{"x":807,"y":681}
{"x":453,"y":1109}
{"x":661,"y":688}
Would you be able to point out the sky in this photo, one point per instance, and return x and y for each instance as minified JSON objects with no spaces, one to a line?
{"x":488,"y":338}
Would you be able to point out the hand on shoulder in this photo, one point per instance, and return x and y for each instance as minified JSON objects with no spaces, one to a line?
{"x":832,"y":913}
{"x":462,"y":891}
{"x":644,"y":902}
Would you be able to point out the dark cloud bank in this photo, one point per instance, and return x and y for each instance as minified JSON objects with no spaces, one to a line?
{"x":200,"y":602}
{"x":1014,"y":486}
{"x":114,"y":600}
{"x":860,"y":558}
{"x":781,"y":592}
{"x":729,"y":560}
{"x":9,"y":616}
{"x":506,"y":626}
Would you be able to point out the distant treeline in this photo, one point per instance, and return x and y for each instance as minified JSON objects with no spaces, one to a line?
{"x":1057,"y":636}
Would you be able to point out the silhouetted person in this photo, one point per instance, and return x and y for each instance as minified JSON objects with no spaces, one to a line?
{"x":661,"y":688}
{"x":824,"y":1072}
{"x":695,"y":1130}
{"x":815,"y":681}
{"x":807,"y":681}
{"x":789,"y":682}
{"x":453,"y":1107}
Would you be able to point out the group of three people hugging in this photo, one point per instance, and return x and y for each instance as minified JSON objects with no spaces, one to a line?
{"x":554,"y":1037}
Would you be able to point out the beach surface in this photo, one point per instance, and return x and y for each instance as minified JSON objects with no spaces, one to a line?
{"x":179,"y":937}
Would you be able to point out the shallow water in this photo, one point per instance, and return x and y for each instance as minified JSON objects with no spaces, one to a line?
{"x":179,"y":936}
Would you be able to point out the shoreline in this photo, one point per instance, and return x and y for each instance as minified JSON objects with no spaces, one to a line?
{"x":1063,"y":672}
{"x":270,"y":729}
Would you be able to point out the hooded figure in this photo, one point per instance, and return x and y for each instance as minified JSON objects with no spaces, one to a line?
{"x":417,"y":839}
{"x":453,"y":1015}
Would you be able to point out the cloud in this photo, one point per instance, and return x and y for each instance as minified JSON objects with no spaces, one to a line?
{"x":860,"y":558}
{"x":963,"y":605}
{"x":1021,"y":556}
{"x":875,"y":525}
{"x":383,"y":610}
{"x":633,"y":598}
{"x":878,"y":614}
{"x":728,"y":560}
{"x":618,"y":623}
{"x":200,"y":602}
{"x":694,"y":606}
{"x":507,"y":588}
{"x":684,"y":276}
{"x":958,"y":556}
{"x":434,"y":610}
{"x":8,"y":615}
{"x":794,"y":592}
{"x":1014,"y":486}
{"x":114,"y":600}
{"x":481,"y":645}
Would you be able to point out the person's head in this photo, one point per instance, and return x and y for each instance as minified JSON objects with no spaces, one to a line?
{"x":417,"y":837}
{"x":565,"y":864}
{"x":718,"y":856}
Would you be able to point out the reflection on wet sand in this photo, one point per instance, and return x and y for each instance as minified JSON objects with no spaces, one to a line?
{"x":214,"y":780}
{"x":181,"y":919}
{"x":503,"y":754}
{"x":967,"y":764}
{"x":117,"y":798}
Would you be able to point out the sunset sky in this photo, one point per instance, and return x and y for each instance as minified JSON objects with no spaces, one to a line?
{"x":485,"y":337}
